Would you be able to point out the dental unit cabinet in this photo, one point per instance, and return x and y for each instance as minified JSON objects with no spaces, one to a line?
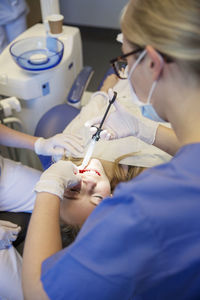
{"x":38,"y":92}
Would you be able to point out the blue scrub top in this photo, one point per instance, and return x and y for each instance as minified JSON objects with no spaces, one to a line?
{"x":144,"y":243}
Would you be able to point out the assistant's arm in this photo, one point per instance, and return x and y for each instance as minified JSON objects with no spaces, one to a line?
{"x":13,"y":138}
{"x":55,"y":145}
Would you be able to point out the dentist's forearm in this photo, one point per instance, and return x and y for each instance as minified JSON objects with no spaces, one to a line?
{"x":166,"y":140}
{"x":43,"y":240}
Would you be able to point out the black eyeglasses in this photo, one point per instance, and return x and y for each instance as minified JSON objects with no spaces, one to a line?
{"x":119,"y":63}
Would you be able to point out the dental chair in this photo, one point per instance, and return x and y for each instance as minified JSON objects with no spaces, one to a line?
{"x":58,"y":117}
{"x":53,"y":122}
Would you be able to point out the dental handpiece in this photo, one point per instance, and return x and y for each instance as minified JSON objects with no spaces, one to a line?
{"x":96,"y":136}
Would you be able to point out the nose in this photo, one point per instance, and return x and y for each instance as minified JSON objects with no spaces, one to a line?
{"x":77,"y":187}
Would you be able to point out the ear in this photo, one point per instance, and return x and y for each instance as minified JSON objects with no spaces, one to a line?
{"x":156,"y":62}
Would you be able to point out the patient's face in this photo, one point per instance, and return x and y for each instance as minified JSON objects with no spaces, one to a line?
{"x":80,"y":201}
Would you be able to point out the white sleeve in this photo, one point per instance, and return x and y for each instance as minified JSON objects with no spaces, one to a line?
{"x":17,"y":184}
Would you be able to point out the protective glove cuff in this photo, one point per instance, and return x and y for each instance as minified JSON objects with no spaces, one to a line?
{"x":50,"y":186}
{"x":147,"y":131}
{"x":38,"y":145}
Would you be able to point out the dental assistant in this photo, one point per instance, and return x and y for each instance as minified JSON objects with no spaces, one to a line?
{"x":144,"y":242}
{"x":12,"y":20}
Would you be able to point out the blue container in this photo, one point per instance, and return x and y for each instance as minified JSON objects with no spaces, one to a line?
{"x":37,"y":53}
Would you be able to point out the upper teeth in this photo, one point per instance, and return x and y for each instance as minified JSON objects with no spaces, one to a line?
{"x":90,"y":171}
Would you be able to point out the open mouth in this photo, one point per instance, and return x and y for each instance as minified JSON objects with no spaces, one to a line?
{"x":90,"y":170}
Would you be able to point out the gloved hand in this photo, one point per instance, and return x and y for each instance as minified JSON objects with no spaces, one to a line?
{"x":8,"y":233}
{"x":61,"y":175}
{"x":120,"y":123}
{"x":58,"y":145}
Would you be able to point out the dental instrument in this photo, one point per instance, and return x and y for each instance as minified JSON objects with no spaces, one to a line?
{"x":112,"y":95}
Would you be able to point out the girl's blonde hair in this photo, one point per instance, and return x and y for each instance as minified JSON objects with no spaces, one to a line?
{"x":170,"y":26}
{"x":119,"y":175}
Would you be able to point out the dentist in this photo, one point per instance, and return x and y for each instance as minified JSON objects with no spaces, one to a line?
{"x":144,"y":242}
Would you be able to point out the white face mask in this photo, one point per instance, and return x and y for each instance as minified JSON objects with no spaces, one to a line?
{"x":147,"y":109}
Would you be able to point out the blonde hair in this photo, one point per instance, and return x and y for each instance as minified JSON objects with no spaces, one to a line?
{"x":119,"y":175}
{"x":170,"y":26}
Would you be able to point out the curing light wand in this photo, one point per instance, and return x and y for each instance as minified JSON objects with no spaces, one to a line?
{"x":96,"y":136}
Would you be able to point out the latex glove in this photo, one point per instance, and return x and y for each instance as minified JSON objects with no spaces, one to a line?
{"x":75,"y":149}
{"x":120,"y":123}
{"x":8,"y":233}
{"x":61,"y":175}
{"x":58,"y":145}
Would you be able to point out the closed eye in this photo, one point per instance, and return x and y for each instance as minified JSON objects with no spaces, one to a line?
{"x":98,"y":196}
{"x":96,"y":199}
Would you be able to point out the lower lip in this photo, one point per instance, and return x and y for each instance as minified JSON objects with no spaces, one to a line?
{"x":85,"y":170}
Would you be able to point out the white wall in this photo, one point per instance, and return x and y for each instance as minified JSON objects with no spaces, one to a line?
{"x":99,"y":13}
